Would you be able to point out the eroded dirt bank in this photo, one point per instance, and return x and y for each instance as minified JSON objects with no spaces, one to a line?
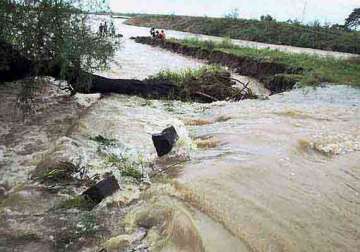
{"x":276,"y":77}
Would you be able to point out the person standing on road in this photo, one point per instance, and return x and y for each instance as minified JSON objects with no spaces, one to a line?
{"x":162,"y":35}
{"x":101,"y":29}
{"x":152,"y":32}
{"x":105,"y":28}
{"x":157,"y":34}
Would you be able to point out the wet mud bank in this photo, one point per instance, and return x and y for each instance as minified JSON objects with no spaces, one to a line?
{"x":276,"y":77}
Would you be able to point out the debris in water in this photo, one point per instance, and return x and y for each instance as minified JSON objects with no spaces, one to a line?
{"x":55,"y":172}
{"x":101,"y":190}
{"x":165,"y":141}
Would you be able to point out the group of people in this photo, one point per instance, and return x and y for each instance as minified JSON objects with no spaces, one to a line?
{"x":103,"y":29}
{"x":155,"y":34}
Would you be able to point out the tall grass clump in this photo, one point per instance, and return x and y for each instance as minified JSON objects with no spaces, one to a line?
{"x":206,"y":84}
{"x":181,"y":78}
{"x":226,"y":43}
{"x":206,"y":44}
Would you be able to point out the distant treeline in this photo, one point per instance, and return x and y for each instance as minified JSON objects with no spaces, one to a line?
{"x":267,"y":30}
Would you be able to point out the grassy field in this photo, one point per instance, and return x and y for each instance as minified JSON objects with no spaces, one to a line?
{"x":317,"y":69}
{"x":272,"y":32}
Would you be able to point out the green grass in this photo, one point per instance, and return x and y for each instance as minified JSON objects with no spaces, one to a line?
{"x":204,"y":84}
{"x":87,"y":226}
{"x":132,"y":172}
{"x":61,"y":173}
{"x":317,"y":69}
{"x":103,"y":140}
{"x":78,"y":202}
{"x":183,"y":77}
{"x":127,"y":167}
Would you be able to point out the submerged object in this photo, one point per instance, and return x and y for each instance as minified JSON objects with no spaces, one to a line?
{"x":101,"y":190}
{"x":164,"y":141}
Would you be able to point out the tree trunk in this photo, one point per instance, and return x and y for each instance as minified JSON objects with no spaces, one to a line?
{"x":13,"y":66}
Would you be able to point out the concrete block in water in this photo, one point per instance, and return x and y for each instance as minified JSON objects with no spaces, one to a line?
{"x":101,"y":190}
{"x":165,"y":141}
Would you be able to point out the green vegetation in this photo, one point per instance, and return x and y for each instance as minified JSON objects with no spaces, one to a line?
{"x":130,"y":171}
{"x":78,"y":202}
{"x":114,"y":160}
{"x":184,"y":77}
{"x":205,"y":84}
{"x":316,"y":69}
{"x":335,"y":38}
{"x":85,"y":226}
{"x":353,"y":21}
{"x":127,"y":167}
{"x":55,"y":37}
{"x":103,"y":140}
{"x":55,"y":173}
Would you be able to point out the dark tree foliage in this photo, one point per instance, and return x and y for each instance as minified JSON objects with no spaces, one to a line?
{"x":268,"y":18}
{"x":353,"y":21}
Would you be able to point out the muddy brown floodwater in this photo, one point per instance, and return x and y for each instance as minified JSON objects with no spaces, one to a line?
{"x":279,"y":174}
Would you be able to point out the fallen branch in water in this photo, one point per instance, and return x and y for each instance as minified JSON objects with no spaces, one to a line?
{"x":207,"y":96}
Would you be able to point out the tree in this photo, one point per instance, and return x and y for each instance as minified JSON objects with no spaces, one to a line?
{"x":232,"y":14}
{"x":55,"y":34}
{"x":353,"y":21}
{"x":267,"y":18}
{"x":55,"y":31}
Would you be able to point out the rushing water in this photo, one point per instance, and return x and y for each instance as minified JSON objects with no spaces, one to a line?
{"x":281,"y":174}
{"x":267,"y":175}
{"x":134,"y":60}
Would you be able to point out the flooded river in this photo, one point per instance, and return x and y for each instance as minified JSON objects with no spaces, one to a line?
{"x":265,"y":175}
{"x":279,"y":174}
